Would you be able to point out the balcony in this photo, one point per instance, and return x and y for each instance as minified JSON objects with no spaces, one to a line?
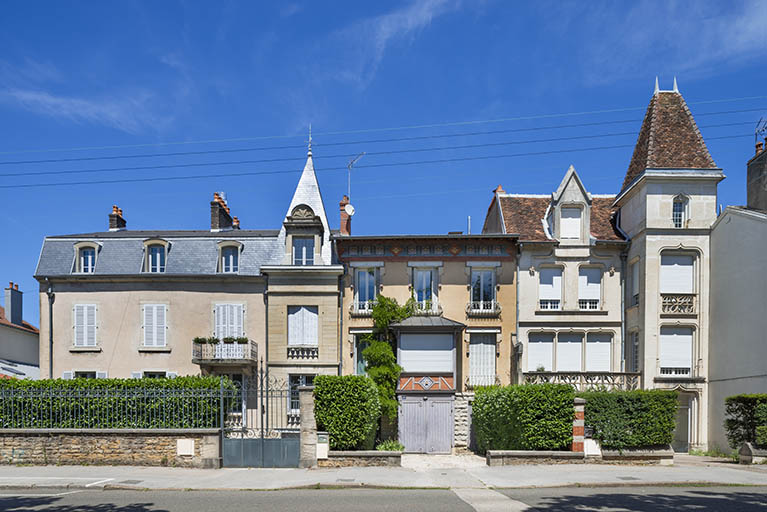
{"x":303,"y":352}
{"x":485,"y":308}
{"x":582,"y":381}
{"x":427,"y":308}
{"x":224,"y":353}
{"x":475,"y":381}
{"x":678,"y":304}
{"x":362,"y":308}
{"x":676,"y":373}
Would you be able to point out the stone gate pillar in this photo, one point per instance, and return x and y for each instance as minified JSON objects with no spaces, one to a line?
{"x":579,"y":425}
{"x":308,"y":454}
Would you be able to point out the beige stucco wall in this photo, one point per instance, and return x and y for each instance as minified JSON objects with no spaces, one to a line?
{"x":453,"y":296}
{"x":18,"y":345}
{"x":119,"y":334}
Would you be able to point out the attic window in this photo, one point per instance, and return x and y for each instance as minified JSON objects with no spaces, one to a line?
{"x":679,"y":213}
{"x":156,"y":252}
{"x":570,"y":223}
{"x":85,"y":257}
{"x":229,"y":257}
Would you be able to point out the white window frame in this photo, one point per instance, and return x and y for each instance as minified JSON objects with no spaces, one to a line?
{"x":634,"y":283}
{"x":230,"y":259}
{"x":481,"y":273}
{"x":679,"y":371}
{"x":365,"y":304}
{"x":550,"y":303}
{"x":156,"y":262}
{"x":632,"y":354}
{"x":432,"y":272}
{"x":85,"y":266}
{"x":304,"y":259}
{"x":86,"y":326}
{"x":156,"y":329}
{"x":680,"y":217}
{"x":664,"y":284}
{"x":585,"y":301}
{"x":302,"y":378}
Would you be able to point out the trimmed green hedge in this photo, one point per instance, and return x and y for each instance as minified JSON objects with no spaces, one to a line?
{"x":742,"y":419}
{"x":348,"y":408}
{"x":631,"y":419}
{"x":526,"y":417}
{"x":182,"y":402}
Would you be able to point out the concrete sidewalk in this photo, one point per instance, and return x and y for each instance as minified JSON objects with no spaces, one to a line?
{"x":419,"y":476}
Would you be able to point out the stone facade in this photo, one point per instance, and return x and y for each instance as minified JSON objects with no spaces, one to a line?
{"x":361,"y":458}
{"x":462,"y":418}
{"x":110,"y":447}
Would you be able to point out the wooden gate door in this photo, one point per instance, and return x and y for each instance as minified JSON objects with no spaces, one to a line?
{"x":426,"y":423}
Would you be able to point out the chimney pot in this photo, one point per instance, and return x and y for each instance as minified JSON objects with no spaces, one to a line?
{"x":346,"y":220}
{"x":116,"y":220}
{"x":499,"y":190}
{"x":115,"y":209}
{"x":759,"y":147}
{"x":16,"y":286}
{"x":220,"y":215}
{"x":13,"y":304}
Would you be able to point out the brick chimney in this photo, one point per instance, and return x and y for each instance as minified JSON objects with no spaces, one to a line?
{"x":13,"y":304}
{"x":346,"y":220}
{"x":116,"y":220}
{"x":756,"y":179}
{"x":220,"y":218}
{"x":235,"y":223}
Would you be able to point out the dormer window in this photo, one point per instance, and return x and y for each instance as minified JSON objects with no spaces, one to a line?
{"x":85,"y":257}
{"x":229,"y":257}
{"x":155,"y":255}
{"x":679,"y":212}
{"x":570,"y":223}
{"x":303,"y":250}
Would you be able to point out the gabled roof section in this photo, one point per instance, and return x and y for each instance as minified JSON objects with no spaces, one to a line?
{"x":571,"y":174}
{"x":25,"y":326}
{"x":668,"y":139}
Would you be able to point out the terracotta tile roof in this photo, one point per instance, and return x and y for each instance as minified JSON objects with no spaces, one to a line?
{"x":668,"y":139}
{"x":523,"y":214}
{"x":26,"y":326}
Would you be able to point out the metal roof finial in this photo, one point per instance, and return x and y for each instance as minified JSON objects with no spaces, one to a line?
{"x":309,"y":153}
{"x":657,"y":88}
{"x":676,"y":89}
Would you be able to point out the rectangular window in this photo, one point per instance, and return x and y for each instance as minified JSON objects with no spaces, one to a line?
{"x":154,"y":324}
{"x":482,"y":359}
{"x":589,"y":288}
{"x":303,"y":250}
{"x":540,"y":352}
{"x":632,"y":352}
{"x":87,"y":260}
{"x":634,"y":284}
{"x":230,"y":257}
{"x":570,"y":226}
{"x":155,"y":375}
{"x":85,"y":375}
{"x":599,"y":352}
{"x":676,"y":351}
{"x":676,"y":273}
{"x":156,"y":257}
{"x":678,"y":215}
{"x":303,"y":326}
{"x":228,"y":321}
{"x":85,"y":325}
{"x":550,"y":288}
{"x":296,"y":381}
{"x":569,"y":350}
{"x":365,"y":288}
{"x":360,"y":344}
{"x":424,"y":290}
{"x":482,"y":289}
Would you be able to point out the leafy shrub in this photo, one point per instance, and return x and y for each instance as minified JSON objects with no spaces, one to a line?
{"x":761,"y":429}
{"x":183,"y":402}
{"x":631,"y":419}
{"x":348,"y":408}
{"x":381,"y":366}
{"x":526,"y":417}
{"x":741,"y":420}
{"x":390,"y":445}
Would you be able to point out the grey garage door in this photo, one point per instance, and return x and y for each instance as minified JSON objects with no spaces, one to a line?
{"x":426,"y":423}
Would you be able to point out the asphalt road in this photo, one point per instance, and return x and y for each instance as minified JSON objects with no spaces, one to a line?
{"x":740,"y":499}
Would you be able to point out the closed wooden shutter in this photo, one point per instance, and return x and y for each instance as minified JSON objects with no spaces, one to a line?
{"x":676,"y":347}
{"x":220,"y":320}
{"x":101,"y":375}
{"x":155,"y":325}
{"x":66,"y":375}
{"x":676,"y":273}
{"x":598,"y":352}
{"x":79,"y":324}
{"x":551,"y":283}
{"x":635,"y":279}
{"x":540,"y":351}
{"x":148,"y":325}
{"x":569,"y":347}
{"x":85,"y":325}
{"x":482,"y":359}
{"x":570,"y":226}
{"x":589,"y":283}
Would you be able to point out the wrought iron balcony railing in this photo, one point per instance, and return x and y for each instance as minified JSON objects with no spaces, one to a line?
{"x":582,"y":381}
{"x":362,"y":308}
{"x":678,"y":304}
{"x":483,"y":308}
{"x":680,"y":373}
{"x":550,"y":304}
{"x":224,"y":352}
{"x":588,"y":304}
{"x":427,"y":308}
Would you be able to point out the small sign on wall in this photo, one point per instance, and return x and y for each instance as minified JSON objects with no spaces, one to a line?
{"x":185,"y":447}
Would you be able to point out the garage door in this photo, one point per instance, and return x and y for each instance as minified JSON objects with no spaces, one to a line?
{"x":426,"y":423}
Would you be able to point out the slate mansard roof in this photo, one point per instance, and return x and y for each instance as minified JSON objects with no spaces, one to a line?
{"x":189,"y":253}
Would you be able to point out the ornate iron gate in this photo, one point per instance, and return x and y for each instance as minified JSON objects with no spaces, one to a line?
{"x":261,"y":424}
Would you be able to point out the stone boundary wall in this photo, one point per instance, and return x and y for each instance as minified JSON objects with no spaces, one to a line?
{"x":338,"y":459}
{"x":663,"y":456}
{"x":511,"y":457}
{"x":192,"y":448}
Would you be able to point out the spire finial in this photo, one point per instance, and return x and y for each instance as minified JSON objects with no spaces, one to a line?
{"x":657,"y":88}
{"x":309,"y":153}
{"x":676,"y":89}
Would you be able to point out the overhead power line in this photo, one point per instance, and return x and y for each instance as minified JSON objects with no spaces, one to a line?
{"x":371,"y":130}
{"x":369,"y":166}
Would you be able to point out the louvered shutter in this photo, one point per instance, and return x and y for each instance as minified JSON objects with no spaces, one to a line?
{"x":598,"y":352}
{"x":149,"y":324}
{"x":159,"y":325}
{"x":219,"y":330}
{"x":482,"y":359}
{"x":551,"y":283}
{"x":569,"y":346}
{"x":101,"y":375}
{"x":90,"y":325}
{"x":135,"y":375}
{"x":66,"y":375}
{"x":238,"y":320}
{"x":589,"y":283}
{"x":676,"y":347}
{"x":79,"y":325}
{"x":676,"y":273}
{"x":540,"y":350}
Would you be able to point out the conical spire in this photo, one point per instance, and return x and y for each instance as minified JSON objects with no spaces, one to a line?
{"x":309,"y":153}
{"x":657,"y":88}
{"x":676,"y":88}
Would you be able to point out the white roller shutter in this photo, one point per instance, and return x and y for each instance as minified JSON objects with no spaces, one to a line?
{"x":676,"y":273}
{"x":540,"y":351}
{"x":569,"y":350}
{"x":482,"y":359}
{"x":598,"y":352}
{"x":424,"y":353}
{"x":550,"y":283}
{"x":589,"y":283}
{"x":570,"y":225}
{"x":676,"y":347}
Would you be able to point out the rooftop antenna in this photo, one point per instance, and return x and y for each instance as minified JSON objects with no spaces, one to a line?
{"x":761,"y":129}
{"x":349,"y":180}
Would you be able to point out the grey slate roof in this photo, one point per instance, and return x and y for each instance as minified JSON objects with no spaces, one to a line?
{"x":190,"y":252}
{"x":428,"y":321}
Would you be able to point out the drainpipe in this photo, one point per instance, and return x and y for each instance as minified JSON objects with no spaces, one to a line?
{"x":51,"y":299}
{"x":341,"y":323}
{"x":266,"y":327}
{"x":515,"y":357}
{"x":623,"y":310}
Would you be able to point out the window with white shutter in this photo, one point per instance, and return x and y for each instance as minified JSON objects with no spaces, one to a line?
{"x":155,"y":324}
{"x":228,"y":321}
{"x":676,"y":351}
{"x":482,"y":359}
{"x":303,"y":326}
{"x":589,"y":288}
{"x":676,"y":273}
{"x":550,"y":288}
{"x":569,"y":350}
{"x":540,"y":351}
{"x":598,"y":352}
{"x":84,"y":325}
{"x":570,"y":225}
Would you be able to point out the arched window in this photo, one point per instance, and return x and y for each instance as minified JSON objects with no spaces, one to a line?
{"x":679,"y":213}
{"x":86,"y":254}
{"x":229,"y":257}
{"x":156,"y":253}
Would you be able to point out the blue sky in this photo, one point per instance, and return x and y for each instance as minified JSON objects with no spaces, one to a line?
{"x":158,"y":77}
